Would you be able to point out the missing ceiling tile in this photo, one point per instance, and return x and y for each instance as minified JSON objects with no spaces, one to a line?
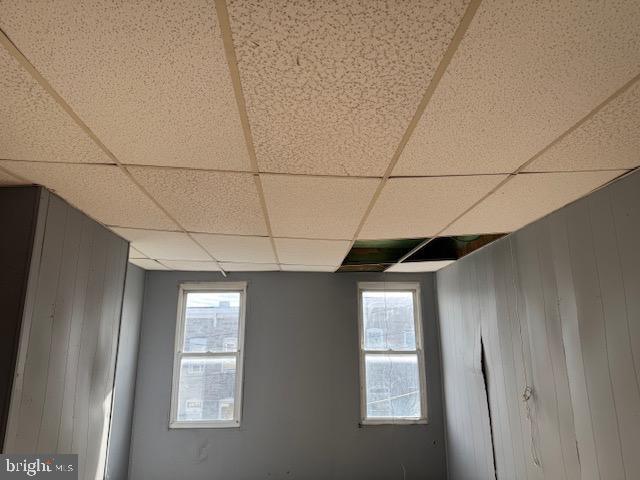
{"x":376,"y":255}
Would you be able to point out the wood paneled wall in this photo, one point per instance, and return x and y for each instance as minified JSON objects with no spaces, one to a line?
{"x":61,"y":401}
{"x":556,"y":307}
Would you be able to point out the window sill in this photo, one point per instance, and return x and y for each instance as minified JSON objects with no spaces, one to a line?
{"x":397,"y":421}
{"x":225,"y":424}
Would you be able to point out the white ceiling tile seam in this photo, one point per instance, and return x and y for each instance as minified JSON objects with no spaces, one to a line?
{"x":28,"y":66}
{"x":227,"y":40}
{"x":422,"y":106}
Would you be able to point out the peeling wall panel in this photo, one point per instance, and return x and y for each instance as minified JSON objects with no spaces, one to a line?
{"x":557,"y":308}
{"x":468,"y":428}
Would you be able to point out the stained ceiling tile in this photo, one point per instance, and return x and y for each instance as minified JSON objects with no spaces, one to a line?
{"x":191,"y":266}
{"x":211,"y":202}
{"x":149,"y":78}
{"x":308,"y":268}
{"x":147,"y":264}
{"x":104,"y":192}
{"x":33,"y":126}
{"x":249,"y":267}
{"x":430,"y":266}
{"x":421,"y":207}
{"x":527,"y":197}
{"x":311,"y":252}
{"x":610,"y":139}
{"x":163,"y":245}
{"x":316,"y":207}
{"x":524,"y":73}
{"x":236,"y":248}
{"x":330,"y":87}
{"x":133,"y":253}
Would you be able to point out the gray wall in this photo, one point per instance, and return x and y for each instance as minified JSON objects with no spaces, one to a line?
{"x":557,"y":307}
{"x":18,"y":215}
{"x":61,"y":396}
{"x":301,"y":389}
{"x":126,"y":365}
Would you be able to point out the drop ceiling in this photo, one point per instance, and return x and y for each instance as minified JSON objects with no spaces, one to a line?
{"x":246,"y":135}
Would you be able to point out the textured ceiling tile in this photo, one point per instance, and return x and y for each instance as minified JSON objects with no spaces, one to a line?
{"x":525,"y":198}
{"x":163,"y":245}
{"x":33,"y":126}
{"x":610,"y":139}
{"x":308,"y":268}
{"x":311,"y":252}
{"x":149,"y":78}
{"x":234,"y":248}
{"x":133,"y":253}
{"x":249,"y":267}
{"x":523,"y":74}
{"x":432,"y":266}
{"x":191,"y":266}
{"x":147,"y":264}
{"x":103,"y":192}
{"x":7,"y":179}
{"x":421,"y":207}
{"x":206,"y":201}
{"x":316,"y":207}
{"x":331,"y":86}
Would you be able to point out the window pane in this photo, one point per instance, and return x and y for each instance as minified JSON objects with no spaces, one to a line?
{"x":211,"y":322}
{"x":388,"y":320}
{"x":393,"y":386}
{"x":206,"y":390}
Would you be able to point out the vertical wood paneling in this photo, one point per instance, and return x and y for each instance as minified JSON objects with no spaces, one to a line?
{"x":553,"y":330}
{"x":593,"y":342}
{"x":559,"y":311}
{"x":472,"y":458}
{"x":37,"y":354}
{"x":50,"y":421}
{"x":88,"y":345}
{"x":512,"y":366}
{"x":625,"y":205}
{"x":624,"y":382}
{"x":580,"y":402}
{"x":65,"y":433}
{"x":64,"y":400}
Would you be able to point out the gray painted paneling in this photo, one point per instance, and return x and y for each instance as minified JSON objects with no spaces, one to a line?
{"x":301,"y":389}
{"x":558,"y":309}
{"x":126,"y":365}
{"x":61,"y":397}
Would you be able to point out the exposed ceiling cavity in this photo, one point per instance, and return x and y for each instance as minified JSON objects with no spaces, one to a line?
{"x":435,"y":253}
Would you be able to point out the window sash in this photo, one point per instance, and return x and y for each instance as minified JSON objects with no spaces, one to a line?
{"x":179,"y":354}
{"x":414,"y":288}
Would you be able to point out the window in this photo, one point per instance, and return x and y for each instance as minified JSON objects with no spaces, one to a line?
{"x":207,"y":369}
{"x":392,"y":380}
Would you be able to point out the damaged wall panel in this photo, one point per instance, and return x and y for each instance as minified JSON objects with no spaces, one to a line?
{"x":557,"y":307}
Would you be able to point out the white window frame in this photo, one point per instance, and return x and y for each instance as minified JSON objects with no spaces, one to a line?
{"x":413,"y":287}
{"x":185,"y":289}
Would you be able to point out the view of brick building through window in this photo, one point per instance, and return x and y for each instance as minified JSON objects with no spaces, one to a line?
{"x":207,"y":384}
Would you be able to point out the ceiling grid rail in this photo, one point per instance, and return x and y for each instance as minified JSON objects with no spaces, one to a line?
{"x":234,"y":72}
{"x":520,"y":169}
{"x":37,"y":76}
{"x":422,"y":106}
